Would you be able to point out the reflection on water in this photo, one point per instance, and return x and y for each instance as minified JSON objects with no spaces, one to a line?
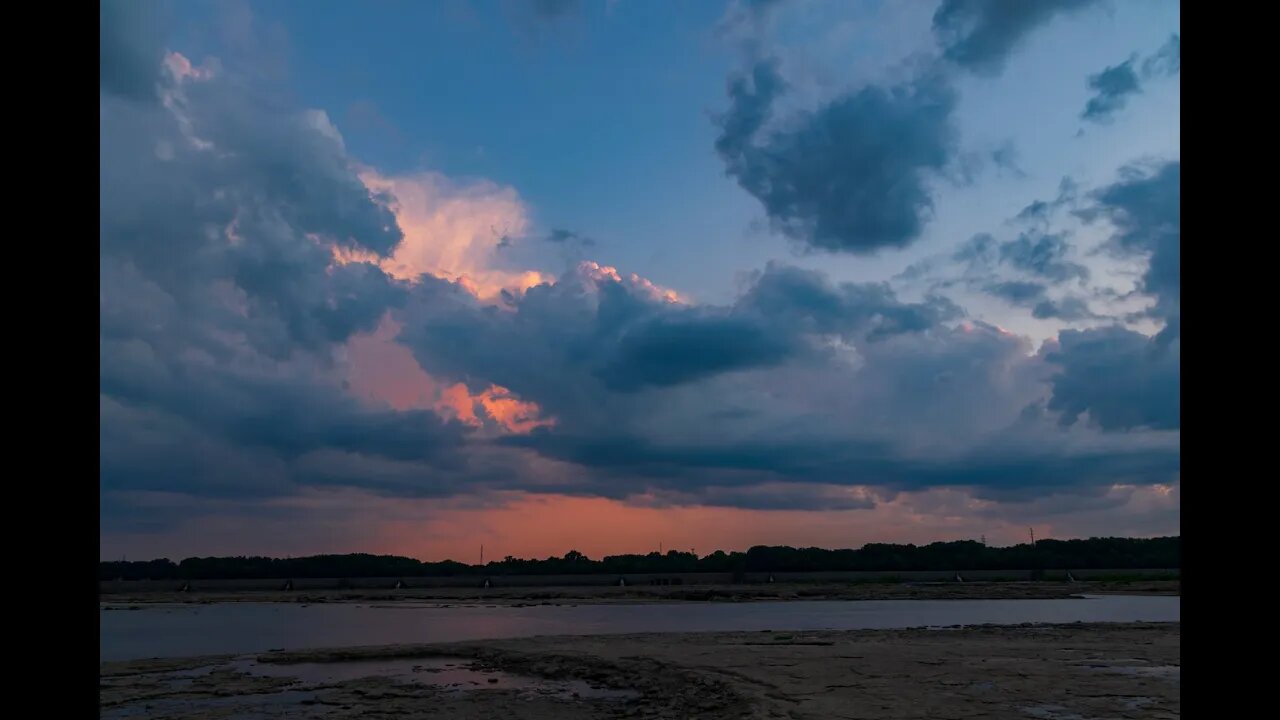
{"x":239,"y":628}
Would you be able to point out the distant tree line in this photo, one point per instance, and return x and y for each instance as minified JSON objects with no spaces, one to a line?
{"x":1094,"y":553}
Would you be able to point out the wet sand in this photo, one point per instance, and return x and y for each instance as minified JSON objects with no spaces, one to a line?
{"x":699,"y":593}
{"x":1052,"y":672}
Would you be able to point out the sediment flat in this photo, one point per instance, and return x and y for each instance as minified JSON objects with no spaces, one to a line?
{"x":1051,"y":672}
{"x":665,"y":593}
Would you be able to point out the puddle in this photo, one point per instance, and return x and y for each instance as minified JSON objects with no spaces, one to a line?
{"x":1172,"y":673}
{"x":984,"y":686}
{"x":306,"y":683}
{"x":1051,"y":712}
{"x":184,"y":679}
{"x":1137,"y":702}
{"x":261,"y":706}
{"x":448,"y":674}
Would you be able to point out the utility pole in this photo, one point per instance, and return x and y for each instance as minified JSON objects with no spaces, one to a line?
{"x":482,"y":555}
{"x":984,"y":540}
{"x":1033,"y":536}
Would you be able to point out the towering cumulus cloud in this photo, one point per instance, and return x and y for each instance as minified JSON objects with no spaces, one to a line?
{"x":221,"y":303}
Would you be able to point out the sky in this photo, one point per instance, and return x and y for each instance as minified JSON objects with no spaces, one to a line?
{"x":610,"y":275}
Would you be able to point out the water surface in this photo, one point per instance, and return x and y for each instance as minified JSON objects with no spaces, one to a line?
{"x":181,"y":630}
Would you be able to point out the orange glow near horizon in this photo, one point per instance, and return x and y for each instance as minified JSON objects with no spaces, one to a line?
{"x":545,"y":525}
{"x":540,"y":525}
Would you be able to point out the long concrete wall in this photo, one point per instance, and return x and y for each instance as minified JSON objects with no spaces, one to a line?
{"x":633,"y":579}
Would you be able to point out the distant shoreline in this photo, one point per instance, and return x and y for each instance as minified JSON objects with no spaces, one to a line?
{"x":496,"y":579}
{"x":592,"y":594}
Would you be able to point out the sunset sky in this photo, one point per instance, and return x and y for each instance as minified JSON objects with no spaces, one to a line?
{"x":540,"y":275}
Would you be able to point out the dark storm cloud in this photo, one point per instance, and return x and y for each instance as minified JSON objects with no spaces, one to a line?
{"x":801,"y":299}
{"x":585,"y":330}
{"x":1145,"y":208}
{"x":980,"y":35}
{"x":293,"y":161}
{"x":285,"y":416}
{"x":671,"y":349}
{"x":1121,"y":378}
{"x":223,"y":207}
{"x":130,"y":47}
{"x":916,"y":380}
{"x":221,"y":303}
{"x":1113,"y":86}
{"x":991,"y":471}
{"x":851,"y":176}
{"x":149,"y":450}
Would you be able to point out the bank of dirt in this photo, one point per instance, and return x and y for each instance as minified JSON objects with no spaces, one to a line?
{"x":1052,"y":672}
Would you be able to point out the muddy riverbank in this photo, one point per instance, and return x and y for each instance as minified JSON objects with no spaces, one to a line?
{"x":1038,"y":671}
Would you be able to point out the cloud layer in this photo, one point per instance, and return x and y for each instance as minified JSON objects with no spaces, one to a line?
{"x":279,"y":321}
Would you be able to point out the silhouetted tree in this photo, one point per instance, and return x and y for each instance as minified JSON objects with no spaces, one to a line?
{"x":1093,"y":553}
